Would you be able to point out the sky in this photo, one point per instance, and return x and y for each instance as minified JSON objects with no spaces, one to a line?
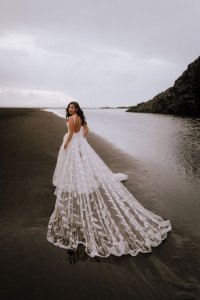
{"x":96,"y":52}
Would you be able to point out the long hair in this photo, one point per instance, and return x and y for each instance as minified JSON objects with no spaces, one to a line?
{"x":78,"y":111}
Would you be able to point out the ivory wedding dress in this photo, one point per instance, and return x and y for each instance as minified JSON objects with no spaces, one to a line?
{"x":95,"y":209}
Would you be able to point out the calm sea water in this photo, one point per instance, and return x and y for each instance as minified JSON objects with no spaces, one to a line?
{"x":168,"y":147}
{"x":153,"y":139}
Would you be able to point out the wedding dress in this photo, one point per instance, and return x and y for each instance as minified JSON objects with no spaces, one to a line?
{"x":95,"y":209}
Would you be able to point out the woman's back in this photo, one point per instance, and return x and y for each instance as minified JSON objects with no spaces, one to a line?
{"x":77,"y":123}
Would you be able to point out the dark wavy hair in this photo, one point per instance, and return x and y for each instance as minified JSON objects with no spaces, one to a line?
{"x":78,"y":111}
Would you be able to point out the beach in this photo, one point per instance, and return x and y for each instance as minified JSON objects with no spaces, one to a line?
{"x":32,"y":268}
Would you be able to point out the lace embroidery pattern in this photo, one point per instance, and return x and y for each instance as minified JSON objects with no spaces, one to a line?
{"x":95,"y":209}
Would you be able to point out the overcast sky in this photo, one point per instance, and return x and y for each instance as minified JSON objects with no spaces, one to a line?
{"x":98,"y":52}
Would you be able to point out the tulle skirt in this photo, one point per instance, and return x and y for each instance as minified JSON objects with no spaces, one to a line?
{"x":95,"y":209}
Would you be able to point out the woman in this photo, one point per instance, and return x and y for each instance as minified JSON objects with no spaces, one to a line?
{"x":93,"y":207}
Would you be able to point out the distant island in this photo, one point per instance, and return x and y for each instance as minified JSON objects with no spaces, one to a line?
{"x":181,"y":99}
{"x":105,"y":107}
{"x":123,"y":107}
{"x":109,"y":107}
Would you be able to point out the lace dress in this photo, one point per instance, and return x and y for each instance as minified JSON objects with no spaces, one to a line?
{"x":95,"y":209}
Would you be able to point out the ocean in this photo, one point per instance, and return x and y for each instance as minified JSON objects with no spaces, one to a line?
{"x":166,"y":146}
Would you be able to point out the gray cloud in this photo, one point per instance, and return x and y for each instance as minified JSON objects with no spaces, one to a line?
{"x":100,"y":52}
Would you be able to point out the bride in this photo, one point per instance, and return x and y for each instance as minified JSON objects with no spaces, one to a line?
{"x":92,"y":206}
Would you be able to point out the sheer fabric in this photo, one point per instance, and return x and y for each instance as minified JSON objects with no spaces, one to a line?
{"x":95,"y":209}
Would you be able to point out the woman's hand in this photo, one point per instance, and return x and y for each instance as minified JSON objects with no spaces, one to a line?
{"x":65,"y":145}
{"x":85,"y":130}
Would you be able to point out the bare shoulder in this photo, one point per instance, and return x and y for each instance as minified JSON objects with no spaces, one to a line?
{"x":70,"y":122}
{"x":71,"y":119}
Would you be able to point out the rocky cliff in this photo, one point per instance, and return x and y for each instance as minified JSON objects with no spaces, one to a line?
{"x":181,"y":99}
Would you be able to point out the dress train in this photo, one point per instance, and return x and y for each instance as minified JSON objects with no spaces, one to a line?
{"x":95,"y":209}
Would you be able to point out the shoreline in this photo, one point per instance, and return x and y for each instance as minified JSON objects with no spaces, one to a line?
{"x":32,"y":268}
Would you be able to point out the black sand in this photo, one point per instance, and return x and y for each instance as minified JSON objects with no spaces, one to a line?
{"x":32,"y":268}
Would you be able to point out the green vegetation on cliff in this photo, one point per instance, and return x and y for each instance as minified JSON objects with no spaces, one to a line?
{"x":181,"y":99}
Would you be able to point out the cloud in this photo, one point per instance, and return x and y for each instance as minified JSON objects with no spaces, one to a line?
{"x":101,"y":52}
{"x":19,"y":44}
{"x":14,"y":97}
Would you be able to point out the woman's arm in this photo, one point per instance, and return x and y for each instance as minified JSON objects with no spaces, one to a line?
{"x":85,"y":130}
{"x":70,"y":131}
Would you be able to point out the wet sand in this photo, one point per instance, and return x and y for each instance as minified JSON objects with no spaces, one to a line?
{"x":32,"y":268}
